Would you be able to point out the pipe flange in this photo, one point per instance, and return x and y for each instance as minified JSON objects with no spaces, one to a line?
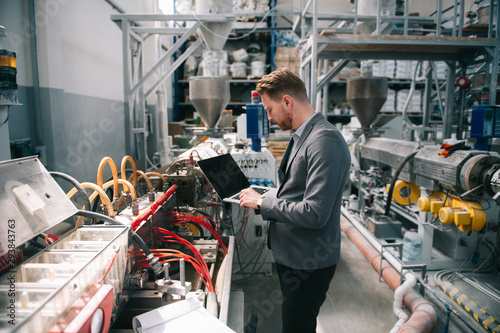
{"x":491,"y":176}
{"x":477,"y":167}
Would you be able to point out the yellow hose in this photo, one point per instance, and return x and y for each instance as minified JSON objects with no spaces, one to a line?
{"x":124,"y":169}
{"x":126,"y":185}
{"x":157,"y":174}
{"x":100,"y":171}
{"x":104,"y":198}
{"x":146,"y":178}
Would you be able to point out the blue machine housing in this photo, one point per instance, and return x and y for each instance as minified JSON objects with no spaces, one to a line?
{"x":485,"y":124}
{"x":257,"y":124}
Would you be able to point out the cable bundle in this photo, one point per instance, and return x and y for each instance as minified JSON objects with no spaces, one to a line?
{"x":241,"y":233}
{"x":205,"y":221}
{"x":175,"y":255}
{"x":198,"y":263}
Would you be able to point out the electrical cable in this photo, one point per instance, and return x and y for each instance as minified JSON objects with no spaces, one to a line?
{"x":210,"y":220}
{"x":475,"y":208}
{"x":177,"y":217}
{"x":205,"y":276}
{"x":171,"y":237}
{"x":253,"y":260}
{"x":449,"y":309}
{"x":237,"y":251}
{"x":50,"y":239}
{"x":480,"y":315}
{"x":75,"y":183}
{"x":394,"y":179}
{"x":110,"y":265}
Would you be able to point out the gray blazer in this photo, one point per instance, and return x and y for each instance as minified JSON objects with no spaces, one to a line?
{"x":305,"y":216}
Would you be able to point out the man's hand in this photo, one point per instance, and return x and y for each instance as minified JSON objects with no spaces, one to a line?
{"x":248,"y":198}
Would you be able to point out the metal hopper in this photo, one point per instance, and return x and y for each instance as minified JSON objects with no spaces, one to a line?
{"x":366,"y":95}
{"x":215,"y":33}
{"x":209,"y":96}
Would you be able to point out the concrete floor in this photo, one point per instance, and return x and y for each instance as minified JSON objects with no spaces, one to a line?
{"x":356,"y":301}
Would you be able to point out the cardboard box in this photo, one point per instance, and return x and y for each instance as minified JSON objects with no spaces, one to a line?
{"x":286,"y":53}
{"x":287,"y":56}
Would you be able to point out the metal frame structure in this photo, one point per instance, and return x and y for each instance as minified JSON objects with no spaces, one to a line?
{"x":139,"y":84}
{"x":342,"y":42}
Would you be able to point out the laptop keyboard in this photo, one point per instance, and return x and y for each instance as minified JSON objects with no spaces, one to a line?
{"x":259,"y":190}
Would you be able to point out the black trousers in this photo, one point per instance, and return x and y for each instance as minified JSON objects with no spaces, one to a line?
{"x":304,"y":291}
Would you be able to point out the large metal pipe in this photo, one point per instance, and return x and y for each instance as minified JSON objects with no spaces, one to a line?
{"x":423,"y":318}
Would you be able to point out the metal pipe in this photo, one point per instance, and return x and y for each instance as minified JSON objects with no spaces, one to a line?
{"x":36,"y":75}
{"x":182,"y":270}
{"x":166,"y":276}
{"x":423,"y":318}
{"x":410,"y":94}
{"x":439,"y":18}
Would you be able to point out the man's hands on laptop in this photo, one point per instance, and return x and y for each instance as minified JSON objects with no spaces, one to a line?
{"x":249,"y":198}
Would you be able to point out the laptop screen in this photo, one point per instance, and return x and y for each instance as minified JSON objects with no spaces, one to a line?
{"x":224,"y":175}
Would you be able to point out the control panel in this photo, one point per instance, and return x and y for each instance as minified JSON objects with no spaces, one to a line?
{"x":260,"y":167}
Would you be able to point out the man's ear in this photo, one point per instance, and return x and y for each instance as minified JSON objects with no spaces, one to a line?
{"x":287,"y":101}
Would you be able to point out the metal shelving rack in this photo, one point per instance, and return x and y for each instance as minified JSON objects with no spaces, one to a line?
{"x":335,"y":36}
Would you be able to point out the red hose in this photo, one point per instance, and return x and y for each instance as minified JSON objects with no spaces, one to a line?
{"x":146,"y":213}
{"x":423,"y":318}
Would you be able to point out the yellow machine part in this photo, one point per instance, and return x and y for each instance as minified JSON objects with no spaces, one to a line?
{"x":458,"y":215}
{"x":446,"y":215}
{"x":466,"y":215}
{"x":476,"y":212}
{"x":404,"y":193}
{"x":433,"y":203}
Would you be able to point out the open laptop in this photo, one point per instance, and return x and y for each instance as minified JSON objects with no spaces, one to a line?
{"x":228,"y":180}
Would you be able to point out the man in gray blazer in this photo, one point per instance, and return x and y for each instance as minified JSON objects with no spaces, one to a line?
{"x":304,"y":233}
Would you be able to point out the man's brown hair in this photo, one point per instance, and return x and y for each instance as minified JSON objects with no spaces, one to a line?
{"x":282,"y":82}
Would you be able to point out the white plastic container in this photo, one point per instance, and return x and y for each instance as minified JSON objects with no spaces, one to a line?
{"x":412,"y":245}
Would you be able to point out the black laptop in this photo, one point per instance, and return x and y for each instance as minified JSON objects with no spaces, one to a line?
{"x":227,"y":179}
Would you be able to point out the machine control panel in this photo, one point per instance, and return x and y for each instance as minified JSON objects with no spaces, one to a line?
{"x":259,"y":167}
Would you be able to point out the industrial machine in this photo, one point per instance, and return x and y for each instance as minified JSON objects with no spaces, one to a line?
{"x":141,"y":255}
{"x":447,"y":191}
